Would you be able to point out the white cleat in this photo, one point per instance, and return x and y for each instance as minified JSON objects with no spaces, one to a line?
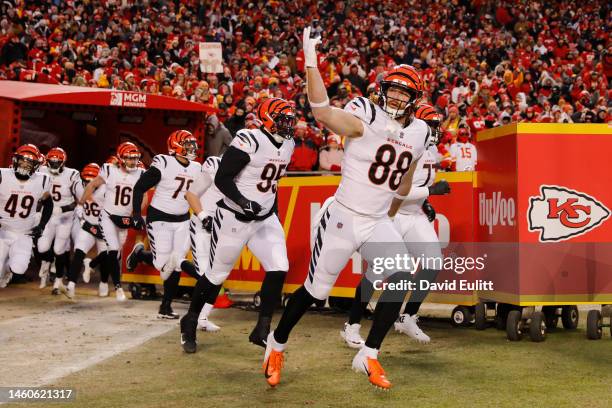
{"x":351,"y":335}
{"x":208,"y":326}
{"x":5,"y":278}
{"x":103,"y":289}
{"x":58,"y":286}
{"x":43,"y":273}
{"x":70,"y":289}
{"x":120,"y":295}
{"x":86,"y":270}
{"x":408,"y":325}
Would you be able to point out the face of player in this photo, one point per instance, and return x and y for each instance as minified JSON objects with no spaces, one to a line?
{"x":191,"y":149}
{"x":285,"y":125}
{"x":54,"y":166}
{"x":131,"y":163}
{"x":399,"y":98}
{"x":25,"y":167}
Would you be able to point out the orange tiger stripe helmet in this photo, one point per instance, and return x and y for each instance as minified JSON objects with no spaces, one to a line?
{"x":277,"y":117}
{"x":90,"y":172}
{"x":56,"y":159}
{"x":407,"y":80}
{"x":183,"y":143}
{"x":128,"y":151}
{"x":433,"y":118}
{"x":26,"y":160}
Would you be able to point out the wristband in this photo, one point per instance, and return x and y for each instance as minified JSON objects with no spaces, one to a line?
{"x":319,"y":104}
{"x":202,"y":215}
{"x":400,"y":197}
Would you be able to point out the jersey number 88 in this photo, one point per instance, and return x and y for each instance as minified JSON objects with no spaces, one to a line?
{"x":385,"y":158}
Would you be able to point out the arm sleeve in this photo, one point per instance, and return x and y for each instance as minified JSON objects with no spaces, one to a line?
{"x":47,"y":210}
{"x":232,"y":163}
{"x":417,"y":193}
{"x":201,"y":184}
{"x":148,"y":179}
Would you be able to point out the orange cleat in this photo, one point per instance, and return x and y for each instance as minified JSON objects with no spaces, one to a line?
{"x":372,"y":368}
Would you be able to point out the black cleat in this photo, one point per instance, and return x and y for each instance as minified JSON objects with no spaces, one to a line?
{"x":166,"y":312}
{"x":259,"y":335}
{"x":132,"y":260}
{"x":189,"y":325}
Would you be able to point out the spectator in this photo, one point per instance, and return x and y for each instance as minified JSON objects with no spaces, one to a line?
{"x":463,"y":153}
{"x":330,"y":158}
{"x":218,"y":138}
{"x":305,"y":153}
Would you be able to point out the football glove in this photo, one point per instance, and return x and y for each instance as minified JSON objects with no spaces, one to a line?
{"x":138,"y":222}
{"x":207,"y":224}
{"x":439,"y":188}
{"x":36,"y":232}
{"x":429,"y":211}
{"x":250,"y":208}
{"x":310,"y":48}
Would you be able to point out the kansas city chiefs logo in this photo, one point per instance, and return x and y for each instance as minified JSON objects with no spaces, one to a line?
{"x":560,"y":213}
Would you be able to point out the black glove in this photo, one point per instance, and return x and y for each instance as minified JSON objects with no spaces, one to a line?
{"x":94,"y":230}
{"x":207,"y":224}
{"x":138,"y":222}
{"x":36,"y":232}
{"x":429,"y":211}
{"x":250,"y":208}
{"x":439,"y":188}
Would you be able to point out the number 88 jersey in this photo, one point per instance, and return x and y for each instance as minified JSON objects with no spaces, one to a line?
{"x":374,"y":163}
{"x":18,"y":199}
{"x":119,"y":189}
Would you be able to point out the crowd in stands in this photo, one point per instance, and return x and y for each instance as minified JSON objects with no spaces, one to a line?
{"x":485,"y":63}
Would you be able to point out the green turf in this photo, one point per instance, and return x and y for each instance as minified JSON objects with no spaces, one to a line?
{"x":461,"y":368}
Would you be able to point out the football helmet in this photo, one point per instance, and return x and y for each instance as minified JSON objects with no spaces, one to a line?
{"x":128,"y":155}
{"x":89,"y":172}
{"x":26,"y":160}
{"x":400,"y":91}
{"x":277,"y":117}
{"x":463,"y":135}
{"x":56,"y":159}
{"x":182,"y":143}
{"x":430,"y":115}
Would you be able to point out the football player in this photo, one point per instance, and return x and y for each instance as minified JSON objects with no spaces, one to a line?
{"x":463,"y":153}
{"x":248,"y":178}
{"x":414,"y":221}
{"x":384,"y":142}
{"x":89,"y":233}
{"x":116,"y":216}
{"x":168,"y":215}
{"x":21,"y":189}
{"x":57,"y":231}
{"x":202,"y":198}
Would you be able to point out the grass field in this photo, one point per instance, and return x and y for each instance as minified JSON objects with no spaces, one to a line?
{"x":460,"y":368}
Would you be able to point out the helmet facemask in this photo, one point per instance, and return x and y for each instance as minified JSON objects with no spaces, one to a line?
{"x":284,"y":125}
{"x":190,"y":149}
{"x":401,"y":103}
{"x":24,"y":166}
{"x":436,"y":132}
{"x":132,"y":165}
{"x":55,"y":166}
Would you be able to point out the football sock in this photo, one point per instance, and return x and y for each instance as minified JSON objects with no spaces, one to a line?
{"x":190,"y":269}
{"x":204,"y":292}
{"x":298,"y":304}
{"x":112,"y":264}
{"x":171,"y":286}
{"x":418,"y":296}
{"x":75,"y":265}
{"x":363,"y":294}
{"x":61,"y":262}
{"x":98,"y":260}
{"x":271,"y":289}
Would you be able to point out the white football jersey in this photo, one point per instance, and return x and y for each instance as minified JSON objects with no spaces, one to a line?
{"x":63,"y":185}
{"x":464,"y":155}
{"x":119,"y":189}
{"x":18,"y":199}
{"x":169,"y":196}
{"x":210,"y":198}
{"x":258,"y":181}
{"x":424,"y":176}
{"x":374,"y":163}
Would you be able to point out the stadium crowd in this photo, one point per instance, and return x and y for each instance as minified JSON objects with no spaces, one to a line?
{"x":485,"y":63}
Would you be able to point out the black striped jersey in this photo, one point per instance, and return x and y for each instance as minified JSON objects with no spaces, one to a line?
{"x":119,"y":188}
{"x":19,"y":198}
{"x":424,"y":176}
{"x":374,"y":163}
{"x":169,"y":196}
{"x":212,"y":195}
{"x":258,"y":181}
{"x":63,"y":185}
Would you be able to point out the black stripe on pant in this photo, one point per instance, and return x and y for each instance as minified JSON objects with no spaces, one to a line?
{"x":316,"y":250}
{"x":214,"y":236}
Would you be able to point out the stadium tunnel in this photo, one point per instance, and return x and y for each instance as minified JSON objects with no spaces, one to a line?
{"x":90,"y":122}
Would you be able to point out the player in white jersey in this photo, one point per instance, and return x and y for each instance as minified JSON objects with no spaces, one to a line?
{"x":21,"y":189}
{"x":57,"y":231}
{"x":384,"y":143}
{"x":116,"y":215}
{"x":168,"y":215}
{"x":248,"y":178}
{"x":463,"y":153}
{"x":89,"y":233}
{"x":203,"y":197}
{"x":414,"y":221}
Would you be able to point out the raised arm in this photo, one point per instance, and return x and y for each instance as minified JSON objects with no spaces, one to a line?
{"x":90,"y":188}
{"x":336,"y":120}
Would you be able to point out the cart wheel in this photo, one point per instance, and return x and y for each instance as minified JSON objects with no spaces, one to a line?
{"x":569,"y":317}
{"x":461,"y":316}
{"x":537,"y":327}
{"x":136,"y":290}
{"x":514,"y":325}
{"x":551,"y":318}
{"x":594,"y":324}
{"x":286,"y":298}
{"x":501,"y":316}
{"x":150,"y":291}
{"x":480,"y":316}
{"x":257,"y":299}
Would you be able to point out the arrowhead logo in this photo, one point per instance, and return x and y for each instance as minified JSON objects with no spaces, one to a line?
{"x":560,"y":213}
